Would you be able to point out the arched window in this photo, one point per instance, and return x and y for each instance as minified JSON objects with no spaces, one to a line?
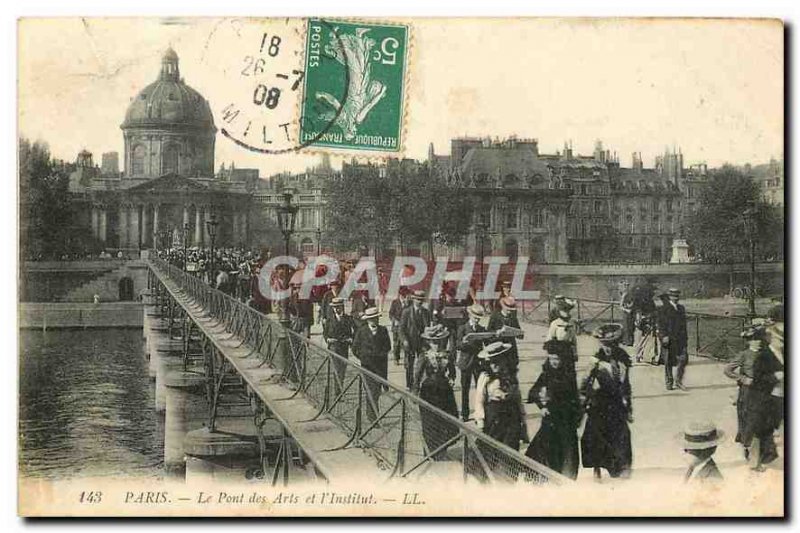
{"x":137,"y":160}
{"x":169,"y":161}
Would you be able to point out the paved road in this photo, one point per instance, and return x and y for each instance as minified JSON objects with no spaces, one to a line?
{"x":659,"y":415}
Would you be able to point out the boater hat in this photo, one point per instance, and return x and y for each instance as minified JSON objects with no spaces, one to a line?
{"x":672,"y":291}
{"x":701,"y":436}
{"x":493,"y":350}
{"x":752,"y":332}
{"x":608,"y":332}
{"x":337,"y":302}
{"x":436,"y":332}
{"x":372,"y":312}
{"x":476,"y":310}
{"x":418,"y":295}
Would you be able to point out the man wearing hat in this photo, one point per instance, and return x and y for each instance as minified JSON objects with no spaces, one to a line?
{"x":301,"y":311}
{"x":507,"y":316}
{"x":741,"y":369}
{"x":372,"y":346}
{"x":468,"y":350}
{"x":396,"y":309}
{"x":561,"y":304}
{"x":674,"y":339}
{"x":335,"y":287}
{"x":413,"y":321}
{"x":505,"y":292}
{"x":338,"y":332}
{"x":700,"y":441}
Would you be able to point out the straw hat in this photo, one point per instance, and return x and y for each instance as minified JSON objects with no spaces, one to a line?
{"x":370,"y":313}
{"x":476,"y":310}
{"x":608,"y":332}
{"x":436,"y":332}
{"x":337,"y":302}
{"x":418,"y":295}
{"x":493,"y":350}
{"x":701,"y":436}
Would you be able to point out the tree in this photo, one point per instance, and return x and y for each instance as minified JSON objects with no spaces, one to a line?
{"x":372,"y":208}
{"x":718,"y":230}
{"x":48,"y":217}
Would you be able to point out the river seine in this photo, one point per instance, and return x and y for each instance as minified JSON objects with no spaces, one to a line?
{"x":86,"y":405}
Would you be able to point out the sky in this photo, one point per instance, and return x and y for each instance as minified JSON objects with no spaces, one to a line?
{"x":713,"y":88}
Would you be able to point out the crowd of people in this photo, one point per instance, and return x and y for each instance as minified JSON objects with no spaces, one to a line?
{"x":446,"y":340}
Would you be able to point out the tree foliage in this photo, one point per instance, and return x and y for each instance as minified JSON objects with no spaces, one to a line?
{"x":367,"y":208}
{"x":729,"y":208}
{"x":49,"y":222}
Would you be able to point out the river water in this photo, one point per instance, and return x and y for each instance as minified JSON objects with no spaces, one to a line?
{"x":86,"y":405}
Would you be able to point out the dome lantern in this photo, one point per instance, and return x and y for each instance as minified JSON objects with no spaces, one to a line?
{"x":169,"y":66}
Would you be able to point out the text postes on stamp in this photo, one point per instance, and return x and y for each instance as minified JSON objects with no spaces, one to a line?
{"x":355,"y":77}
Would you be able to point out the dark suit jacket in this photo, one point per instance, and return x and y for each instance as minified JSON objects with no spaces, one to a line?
{"x":468,"y":352}
{"x":672,"y":323}
{"x":373,"y":349}
{"x":396,"y":310}
{"x":412,"y":324}
{"x":708,"y":472}
{"x":341,"y":331}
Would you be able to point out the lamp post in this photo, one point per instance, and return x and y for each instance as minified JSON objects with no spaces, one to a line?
{"x":750,"y":219}
{"x":287,"y":212}
{"x":319,"y":240}
{"x":211,"y":226}
{"x":185,"y":239}
{"x":482,"y":227}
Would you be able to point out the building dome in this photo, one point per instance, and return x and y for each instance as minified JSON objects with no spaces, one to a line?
{"x":169,"y":100}
{"x":169,"y":128}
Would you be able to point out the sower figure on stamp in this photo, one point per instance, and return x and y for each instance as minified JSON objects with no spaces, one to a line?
{"x":674,"y":339}
{"x":469,"y":346}
{"x":338,"y":332}
{"x":372,"y":346}
{"x":396,"y":309}
{"x":606,"y":439}
{"x":413,"y":321}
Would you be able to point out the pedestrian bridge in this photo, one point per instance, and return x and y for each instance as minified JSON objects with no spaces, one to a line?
{"x":245,"y":397}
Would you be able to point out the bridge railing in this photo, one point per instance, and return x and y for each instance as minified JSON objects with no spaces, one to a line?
{"x":409,"y":437}
{"x":713,"y":336}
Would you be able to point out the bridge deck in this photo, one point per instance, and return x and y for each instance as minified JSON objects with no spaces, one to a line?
{"x":314,"y":437}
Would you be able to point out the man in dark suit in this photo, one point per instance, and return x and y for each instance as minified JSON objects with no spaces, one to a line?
{"x":325,"y":304}
{"x":507,"y":316}
{"x":372,"y":346}
{"x":338,"y":332}
{"x":700,"y":442}
{"x":468,"y":350}
{"x":395,"y":314}
{"x":413,"y":321}
{"x":674,"y":339}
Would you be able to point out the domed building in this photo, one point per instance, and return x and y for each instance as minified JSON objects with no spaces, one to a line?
{"x":167,"y":191}
{"x":169,"y":127}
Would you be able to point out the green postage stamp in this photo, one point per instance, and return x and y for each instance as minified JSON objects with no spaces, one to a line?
{"x":354,"y":85}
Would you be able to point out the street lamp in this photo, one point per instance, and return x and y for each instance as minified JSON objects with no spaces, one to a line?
{"x":185,"y":239}
{"x":319,"y":240}
{"x":287,"y":212}
{"x":482,"y":227}
{"x":211,"y":226}
{"x":750,"y":219}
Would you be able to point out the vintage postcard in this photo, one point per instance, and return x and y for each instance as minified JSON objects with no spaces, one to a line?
{"x":364,"y":267}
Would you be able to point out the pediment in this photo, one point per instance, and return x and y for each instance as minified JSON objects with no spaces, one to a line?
{"x":169,"y":183}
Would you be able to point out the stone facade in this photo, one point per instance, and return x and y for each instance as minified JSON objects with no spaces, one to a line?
{"x":168,"y":186}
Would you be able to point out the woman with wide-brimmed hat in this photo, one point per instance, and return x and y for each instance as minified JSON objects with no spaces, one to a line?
{"x":555,"y":392}
{"x":433,"y":384}
{"x":606,"y":439}
{"x":498,"y":402}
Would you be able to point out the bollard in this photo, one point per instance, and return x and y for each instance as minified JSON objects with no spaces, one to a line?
{"x":186,"y":410}
{"x":217,"y":456}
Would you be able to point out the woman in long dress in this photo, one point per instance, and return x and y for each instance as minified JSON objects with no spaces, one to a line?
{"x":556,"y":394}
{"x":498,"y":402}
{"x":606,"y":440}
{"x":434,"y":385}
